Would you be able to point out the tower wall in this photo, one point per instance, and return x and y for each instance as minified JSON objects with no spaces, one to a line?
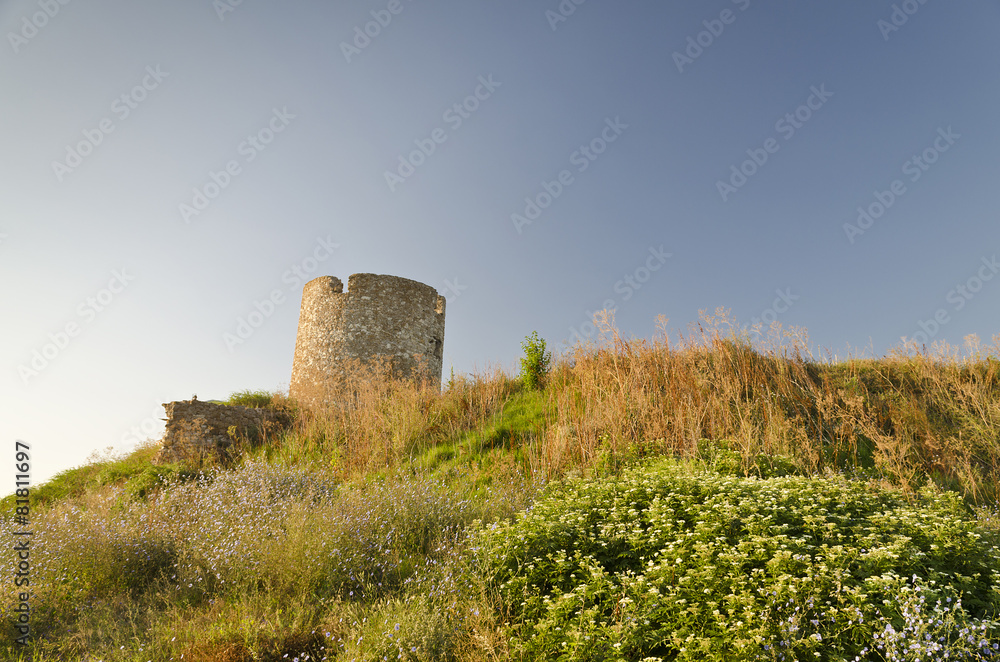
{"x":378,"y":316}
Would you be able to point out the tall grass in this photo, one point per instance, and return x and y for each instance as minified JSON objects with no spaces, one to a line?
{"x":376,"y":422}
{"x":274,"y":560}
{"x":906,"y":417}
{"x":902,"y":417}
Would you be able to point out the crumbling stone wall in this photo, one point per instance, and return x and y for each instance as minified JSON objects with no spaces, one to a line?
{"x":378,"y":316}
{"x":198,"y":429}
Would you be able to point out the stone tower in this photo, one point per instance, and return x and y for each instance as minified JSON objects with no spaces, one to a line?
{"x":378,"y":316}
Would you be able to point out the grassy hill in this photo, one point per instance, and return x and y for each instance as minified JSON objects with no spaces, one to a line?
{"x":713,"y":499}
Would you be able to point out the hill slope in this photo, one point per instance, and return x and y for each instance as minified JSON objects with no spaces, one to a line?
{"x":399,"y":524}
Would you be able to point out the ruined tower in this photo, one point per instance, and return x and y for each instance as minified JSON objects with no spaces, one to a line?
{"x":378,"y":316}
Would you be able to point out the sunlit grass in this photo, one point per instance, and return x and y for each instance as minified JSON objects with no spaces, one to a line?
{"x":335,"y":529}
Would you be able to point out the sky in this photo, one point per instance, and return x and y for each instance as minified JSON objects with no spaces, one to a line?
{"x":173,"y":173}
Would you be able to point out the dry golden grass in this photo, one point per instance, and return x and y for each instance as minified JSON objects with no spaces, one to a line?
{"x":377,"y":420}
{"x":761,"y":393}
{"x":908,"y":415}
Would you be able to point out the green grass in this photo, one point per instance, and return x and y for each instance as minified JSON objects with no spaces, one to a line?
{"x":252,"y":399}
{"x":520,"y":422}
{"x":812,"y":506}
{"x":135,"y":472}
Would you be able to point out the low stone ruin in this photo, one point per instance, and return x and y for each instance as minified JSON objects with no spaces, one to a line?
{"x":199,"y":430}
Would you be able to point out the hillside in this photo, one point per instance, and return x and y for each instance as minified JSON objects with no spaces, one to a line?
{"x":713,"y":498}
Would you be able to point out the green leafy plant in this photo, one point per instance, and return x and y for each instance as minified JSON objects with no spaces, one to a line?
{"x":252,"y":399}
{"x":669,"y":563}
{"x":535,"y":362}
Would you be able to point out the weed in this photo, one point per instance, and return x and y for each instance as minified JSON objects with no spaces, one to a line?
{"x":535,"y":362}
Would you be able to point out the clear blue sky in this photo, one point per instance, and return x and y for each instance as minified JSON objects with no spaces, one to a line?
{"x":629,"y":123}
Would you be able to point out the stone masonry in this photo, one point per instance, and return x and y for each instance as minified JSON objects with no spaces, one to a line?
{"x":198,"y":429}
{"x":378,"y":316}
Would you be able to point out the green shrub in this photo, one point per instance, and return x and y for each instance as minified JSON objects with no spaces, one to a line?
{"x":720,"y":458}
{"x":535,"y":362}
{"x":253,"y":399}
{"x":665,"y":563}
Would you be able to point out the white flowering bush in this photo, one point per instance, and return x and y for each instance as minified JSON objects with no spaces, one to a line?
{"x":666,"y":563}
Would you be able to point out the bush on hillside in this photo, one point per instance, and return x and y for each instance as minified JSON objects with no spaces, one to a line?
{"x":535,"y":362}
{"x":251,"y":399}
{"x":670,"y":564}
